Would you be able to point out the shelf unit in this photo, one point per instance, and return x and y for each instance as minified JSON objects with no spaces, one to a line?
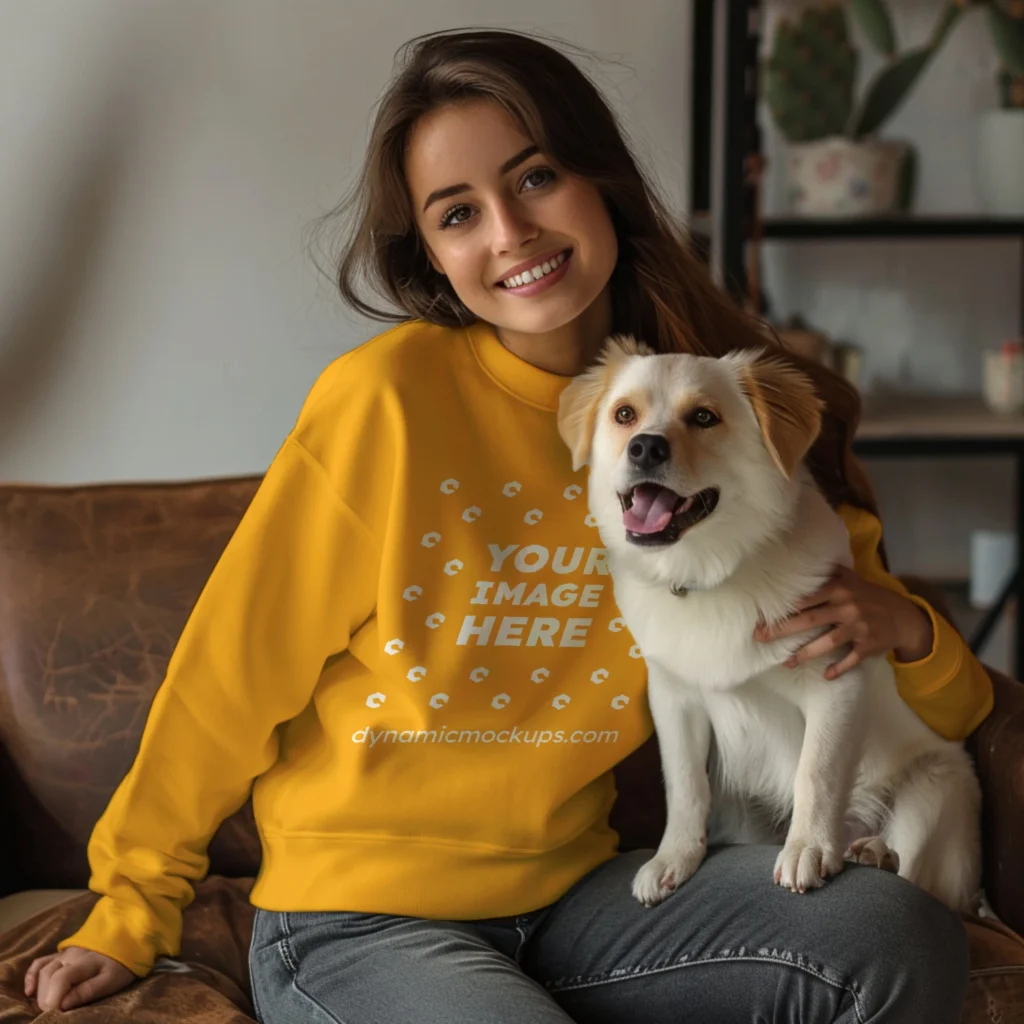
{"x":939,"y":427}
{"x":725,"y":154}
{"x":824,"y":229}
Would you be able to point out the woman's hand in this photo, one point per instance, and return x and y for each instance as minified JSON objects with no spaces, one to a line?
{"x":74,"y":977}
{"x":871,"y":618}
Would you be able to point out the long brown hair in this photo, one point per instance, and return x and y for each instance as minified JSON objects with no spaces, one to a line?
{"x":661,"y":292}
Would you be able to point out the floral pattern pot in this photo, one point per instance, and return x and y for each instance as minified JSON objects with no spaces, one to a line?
{"x":837,"y":177}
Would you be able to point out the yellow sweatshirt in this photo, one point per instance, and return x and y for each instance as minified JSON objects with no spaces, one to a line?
{"x":410,"y":651}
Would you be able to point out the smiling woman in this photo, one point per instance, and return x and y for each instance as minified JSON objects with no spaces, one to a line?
{"x":521,"y":228}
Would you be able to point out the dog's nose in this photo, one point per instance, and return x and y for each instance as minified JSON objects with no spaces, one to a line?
{"x":649,"y":450}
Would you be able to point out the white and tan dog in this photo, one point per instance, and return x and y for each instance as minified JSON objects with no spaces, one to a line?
{"x":712,"y":523}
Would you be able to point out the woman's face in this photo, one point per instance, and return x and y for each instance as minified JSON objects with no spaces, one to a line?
{"x":489,"y":205}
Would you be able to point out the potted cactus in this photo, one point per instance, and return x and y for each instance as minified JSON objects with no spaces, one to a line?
{"x":1000,"y":156}
{"x":837,"y":165}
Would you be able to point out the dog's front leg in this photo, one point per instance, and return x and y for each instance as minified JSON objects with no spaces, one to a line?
{"x":830,"y":752}
{"x":684,"y":737}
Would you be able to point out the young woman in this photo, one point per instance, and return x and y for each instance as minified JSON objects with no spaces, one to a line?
{"x":410,"y":645}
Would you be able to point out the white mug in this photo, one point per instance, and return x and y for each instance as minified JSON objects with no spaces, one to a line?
{"x":993,"y":557}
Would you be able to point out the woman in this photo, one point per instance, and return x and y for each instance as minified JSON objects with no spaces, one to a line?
{"x":411,"y":646}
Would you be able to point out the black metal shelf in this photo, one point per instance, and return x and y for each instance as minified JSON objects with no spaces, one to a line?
{"x":909,"y":226}
{"x":726,"y":169}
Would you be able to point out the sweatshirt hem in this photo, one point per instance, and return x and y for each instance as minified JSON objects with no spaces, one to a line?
{"x":366,"y":874}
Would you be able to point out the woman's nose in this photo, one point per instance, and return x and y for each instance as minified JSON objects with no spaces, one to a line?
{"x":512,"y":227}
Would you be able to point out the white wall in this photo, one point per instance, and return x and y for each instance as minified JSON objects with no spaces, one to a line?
{"x":159,"y":315}
{"x":922,"y":310}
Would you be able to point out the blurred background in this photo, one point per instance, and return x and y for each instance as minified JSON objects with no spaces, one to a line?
{"x":852,"y":170}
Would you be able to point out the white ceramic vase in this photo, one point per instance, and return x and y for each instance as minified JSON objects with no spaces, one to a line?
{"x":1000,"y":163}
{"x":837,"y":177}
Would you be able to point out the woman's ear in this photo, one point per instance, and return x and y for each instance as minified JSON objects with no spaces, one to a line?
{"x":787,"y":408}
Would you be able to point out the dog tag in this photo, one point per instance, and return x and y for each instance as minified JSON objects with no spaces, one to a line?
{"x":679,"y":590}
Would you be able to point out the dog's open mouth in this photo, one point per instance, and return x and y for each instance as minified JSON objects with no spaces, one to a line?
{"x":653,"y":514}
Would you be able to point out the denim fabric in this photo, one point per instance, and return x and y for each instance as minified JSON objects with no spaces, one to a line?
{"x":729,"y":946}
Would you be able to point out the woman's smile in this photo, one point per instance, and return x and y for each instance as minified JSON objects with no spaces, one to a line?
{"x":539,"y":274}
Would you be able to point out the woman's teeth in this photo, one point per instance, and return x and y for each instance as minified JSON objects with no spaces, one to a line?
{"x":535,"y":273}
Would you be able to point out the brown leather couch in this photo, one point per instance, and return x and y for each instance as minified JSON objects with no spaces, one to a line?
{"x":95,"y":585}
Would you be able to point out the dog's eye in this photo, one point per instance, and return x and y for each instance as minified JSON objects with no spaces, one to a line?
{"x":703,"y":418}
{"x":625,"y":414}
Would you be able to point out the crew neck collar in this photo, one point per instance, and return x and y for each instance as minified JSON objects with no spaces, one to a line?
{"x":522,"y":379}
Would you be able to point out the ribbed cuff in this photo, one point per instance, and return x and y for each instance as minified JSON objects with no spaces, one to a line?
{"x":103,"y":932}
{"x":941,"y":663}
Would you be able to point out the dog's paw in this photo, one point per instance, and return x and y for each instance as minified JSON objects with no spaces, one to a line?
{"x":806,"y":865}
{"x":665,"y":872}
{"x":873,"y":851}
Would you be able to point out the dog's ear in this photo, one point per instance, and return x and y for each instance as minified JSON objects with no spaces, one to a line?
{"x":787,"y":408}
{"x":579,"y":401}
{"x":619,"y":347}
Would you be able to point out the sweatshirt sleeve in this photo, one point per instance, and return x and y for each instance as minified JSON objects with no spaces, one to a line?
{"x":948,"y":688}
{"x":295,"y":581}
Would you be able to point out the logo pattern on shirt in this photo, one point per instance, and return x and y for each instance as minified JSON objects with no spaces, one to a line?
{"x":544,"y":630}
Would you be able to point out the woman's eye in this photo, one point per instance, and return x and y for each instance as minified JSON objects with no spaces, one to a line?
{"x":544,"y":174}
{"x":703,"y":418}
{"x":624,"y":414}
{"x":535,"y":178}
{"x":452,"y":216}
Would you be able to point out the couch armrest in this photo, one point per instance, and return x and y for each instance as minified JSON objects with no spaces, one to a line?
{"x":997,"y":746}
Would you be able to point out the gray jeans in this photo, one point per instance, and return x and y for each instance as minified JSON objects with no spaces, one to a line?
{"x":727,"y":946}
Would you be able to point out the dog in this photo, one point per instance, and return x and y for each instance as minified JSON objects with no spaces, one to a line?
{"x":713,"y":524}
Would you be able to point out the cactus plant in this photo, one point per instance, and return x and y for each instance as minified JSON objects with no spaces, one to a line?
{"x":1006,"y":25}
{"x":809,"y":81}
{"x":1000,"y":155}
{"x":809,"y":76}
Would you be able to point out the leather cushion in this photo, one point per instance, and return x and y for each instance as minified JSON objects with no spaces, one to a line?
{"x":96,"y":584}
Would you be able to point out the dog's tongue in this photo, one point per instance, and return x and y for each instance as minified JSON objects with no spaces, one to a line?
{"x":651,"y":510}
